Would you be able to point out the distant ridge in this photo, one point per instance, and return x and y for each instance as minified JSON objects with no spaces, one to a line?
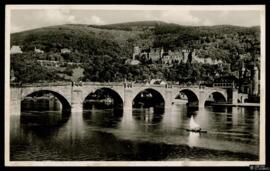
{"x":150,"y":23}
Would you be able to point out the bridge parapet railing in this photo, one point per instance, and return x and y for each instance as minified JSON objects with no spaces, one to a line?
{"x":201,"y":87}
{"x":186,"y":86}
{"x":40,"y":84}
{"x":150,"y":85}
{"x":216,"y":86}
{"x":224,"y":85}
{"x":103,"y":84}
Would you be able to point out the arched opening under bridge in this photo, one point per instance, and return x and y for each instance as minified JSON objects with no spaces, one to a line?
{"x":44,"y":108}
{"x":103,"y":106}
{"x":103,"y":98}
{"x":149,"y":99}
{"x":215,"y":98}
{"x":187,"y":97}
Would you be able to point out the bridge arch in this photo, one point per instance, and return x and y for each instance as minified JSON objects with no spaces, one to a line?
{"x":216,"y":96}
{"x":110,"y":91}
{"x":159,"y":96}
{"x":66,"y":106}
{"x":192,"y":97}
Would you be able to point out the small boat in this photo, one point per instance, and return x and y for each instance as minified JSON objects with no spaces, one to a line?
{"x":196,"y":131}
{"x":194,"y":127}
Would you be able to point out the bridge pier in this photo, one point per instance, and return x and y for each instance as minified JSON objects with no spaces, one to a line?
{"x":201,"y":103}
{"x":15,"y":107}
{"x":77,"y":102}
{"x":15,"y":101}
{"x":168,"y":99}
{"x":128,"y":100}
{"x":77,"y":108}
{"x":201,"y":99}
{"x":234,"y":96}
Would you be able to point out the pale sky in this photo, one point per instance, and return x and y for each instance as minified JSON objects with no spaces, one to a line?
{"x":25,"y":19}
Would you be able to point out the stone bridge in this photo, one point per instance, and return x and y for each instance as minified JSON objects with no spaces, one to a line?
{"x":72,"y":96}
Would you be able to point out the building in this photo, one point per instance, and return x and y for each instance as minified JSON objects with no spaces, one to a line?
{"x":48,"y":63}
{"x":136,"y":52}
{"x":132,"y":62}
{"x":167,"y":59}
{"x":12,"y":75}
{"x":158,"y":81}
{"x":171,"y":56}
{"x":65,"y":51}
{"x":210,"y":61}
{"x":195,"y":58}
{"x":155,"y":54}
{"x":38,"y":51}
{"x":15,"y":50}
{"x":249,"y":80}
{"x":176,"y":54}
{"x":255,"y":81}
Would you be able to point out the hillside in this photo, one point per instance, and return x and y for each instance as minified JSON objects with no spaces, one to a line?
{"x":102,"y":45}
{"x":117,"y":40}
{"x":83,"y":38}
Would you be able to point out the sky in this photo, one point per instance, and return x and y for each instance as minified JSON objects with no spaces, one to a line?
{"x":26,"y":19}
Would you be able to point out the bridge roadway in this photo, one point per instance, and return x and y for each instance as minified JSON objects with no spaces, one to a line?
{"x":72,"y":95}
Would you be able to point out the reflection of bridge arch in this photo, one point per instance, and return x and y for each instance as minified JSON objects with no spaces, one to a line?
{"x":159,"y":95}
{"x":113,"y":93}
{"x":65,"y":103}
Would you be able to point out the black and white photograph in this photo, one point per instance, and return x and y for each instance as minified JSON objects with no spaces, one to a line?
{"x":134,"y":85}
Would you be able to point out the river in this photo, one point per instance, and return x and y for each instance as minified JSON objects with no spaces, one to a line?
{"x":137,"y":135}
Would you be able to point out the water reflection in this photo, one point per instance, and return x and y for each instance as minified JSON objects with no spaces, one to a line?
{"x":113,"y":134}
{"x":148,"y":115}
{"x":193,"y":139}
{"x":109,"y":118}
{"x":42,"y":117}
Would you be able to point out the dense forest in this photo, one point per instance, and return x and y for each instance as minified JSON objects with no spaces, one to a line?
{"x":102,"y":51}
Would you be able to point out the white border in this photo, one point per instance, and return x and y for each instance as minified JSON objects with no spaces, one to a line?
{"x":260,"y":8}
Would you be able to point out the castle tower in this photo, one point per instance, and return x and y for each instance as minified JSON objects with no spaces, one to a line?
{"x":185,"y":55}
{"x":136,"y":51}
{"x":228,"y":65}
{"x":161,"y":52}
{"x":241,"y":76}
{"x":12,"y":75}
{"x":255,"y":81}
{"x":242,"y":70}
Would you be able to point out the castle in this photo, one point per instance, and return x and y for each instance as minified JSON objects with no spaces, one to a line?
{"x":249,"y":81}
{"x":168,"y":57}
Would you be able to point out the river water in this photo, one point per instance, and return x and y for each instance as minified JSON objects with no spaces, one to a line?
{"x":137,"y":135}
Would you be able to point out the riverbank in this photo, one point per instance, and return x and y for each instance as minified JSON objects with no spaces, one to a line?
{"x":239,"y":105}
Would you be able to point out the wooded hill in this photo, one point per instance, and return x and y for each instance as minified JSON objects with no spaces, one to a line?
{"x":104,"y":48}
{"x":117,"y":40}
